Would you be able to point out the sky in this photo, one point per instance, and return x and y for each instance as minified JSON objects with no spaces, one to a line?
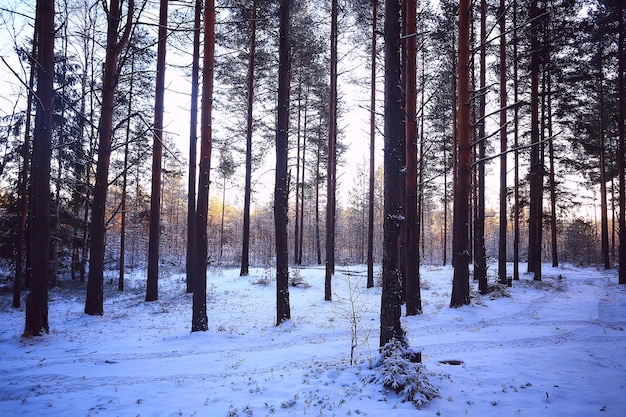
{"x":354,"y":123}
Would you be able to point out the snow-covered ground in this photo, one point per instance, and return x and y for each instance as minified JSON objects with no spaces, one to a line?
{"x":554,"y":348}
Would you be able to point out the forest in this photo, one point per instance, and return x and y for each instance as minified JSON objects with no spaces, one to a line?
{"x":187,"y":137}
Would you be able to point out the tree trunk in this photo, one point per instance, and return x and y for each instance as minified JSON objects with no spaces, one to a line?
{"x":370,"y":217}
{"x":503,"y":146}
{"x":199,"y":319}
{"x":460,"y":283}
{"x":318,"y":241}
{"x":245,"y":251}
{"x":553,"y":224}
{"x":391,"y":306}
{"x":402,"y":243}
{"x":536,"y":169}
{"x":480,"y":255}
{"x":193,"y":139}
{"x":420,"y":200}
{"x":37,"y":299}
{"x":516,"y":232}
{"x":621,"y":157}
{"x":301,"y":232}
{"x":603,"y":200}
{"x":120,"y":280}
{"x":115,"y":44}
{"x":283,"y":312}
{"x":296,"y":231}
{"x":412,"y":296}
{"x":152,"y":287}
{"x":332,"y":154}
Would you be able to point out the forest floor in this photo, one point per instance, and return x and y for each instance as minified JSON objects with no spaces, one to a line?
{"x":550,"y":348}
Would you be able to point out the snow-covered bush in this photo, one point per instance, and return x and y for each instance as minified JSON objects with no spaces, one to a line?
{"x":296,"y":280}
{"x":399,"y":368}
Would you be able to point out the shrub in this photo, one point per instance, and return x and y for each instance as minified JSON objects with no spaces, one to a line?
{"x":399,"y":369}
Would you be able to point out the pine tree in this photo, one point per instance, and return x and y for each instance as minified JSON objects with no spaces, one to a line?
{"x":152,"y":289}
{"x":115,"y":43}
{"x":37,"y":299}
{"x":390,"y":326}
{"x":283,"y":312}
{"x":461,"y":246}
{"x":412,"y":296}
{"x":199,"y":319}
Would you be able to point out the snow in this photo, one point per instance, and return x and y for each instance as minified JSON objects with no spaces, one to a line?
{"x":554,"y":348}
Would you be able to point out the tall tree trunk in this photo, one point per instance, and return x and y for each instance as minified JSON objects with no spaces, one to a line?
{"x":20,"y":243}
{"x":245,"y":251}
{"x":621,"y":157}
{"x":301,"y":231}
{"x":120,"y":280}
{"x":480,"y":255}
{"x":296,"y":231}
{"x":370,"y":204}
{"x":332,"y":154}
{"x":503,"y":147}
{"x":420,"y":200}
{"x":460,"y":283}
{"x":37,"y":299}
{"x":603,"y":200}
{"x":318,"y":241}
{"x":402,"y":244}
{"x":283,"y":311}
{"x":115,"y":43}
{"x":516,"y":232}
{"x":193,"y":139}
{"x":536,"y":168}
{"x":553,"y":224}
{"x":613,"y":218}
{"x":199,"y":319}
{"x":152,"y":287}
{"x":413,"y":296}
{"x":391,"y":306}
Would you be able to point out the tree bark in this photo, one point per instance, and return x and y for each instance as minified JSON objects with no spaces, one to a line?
{"x":283,"y":312}
{"x":390,"y":310}
{"x":516,"y":232}
{"x":301,"y":231}
{"x":332,"y":155}
{"x":553,"y":220}
{"x":460,"y":283}
{"x":370,"y":205}
{"x":536,"y":169}
{"x":296,"y":231}
{"x":152,"y":287}
{"x":120,"y":280}
{"x":318,"y":242}
{"x":503,"y":147}
{"x":621,"y":157}
{"x":37,"y":299}
{"x":480,"y":255}
{"x":193,"y":139}
{"x":115,"y":44}
{"x":603,"y":179}
{"x":199,"y":319}
{"x":412,"y":296}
